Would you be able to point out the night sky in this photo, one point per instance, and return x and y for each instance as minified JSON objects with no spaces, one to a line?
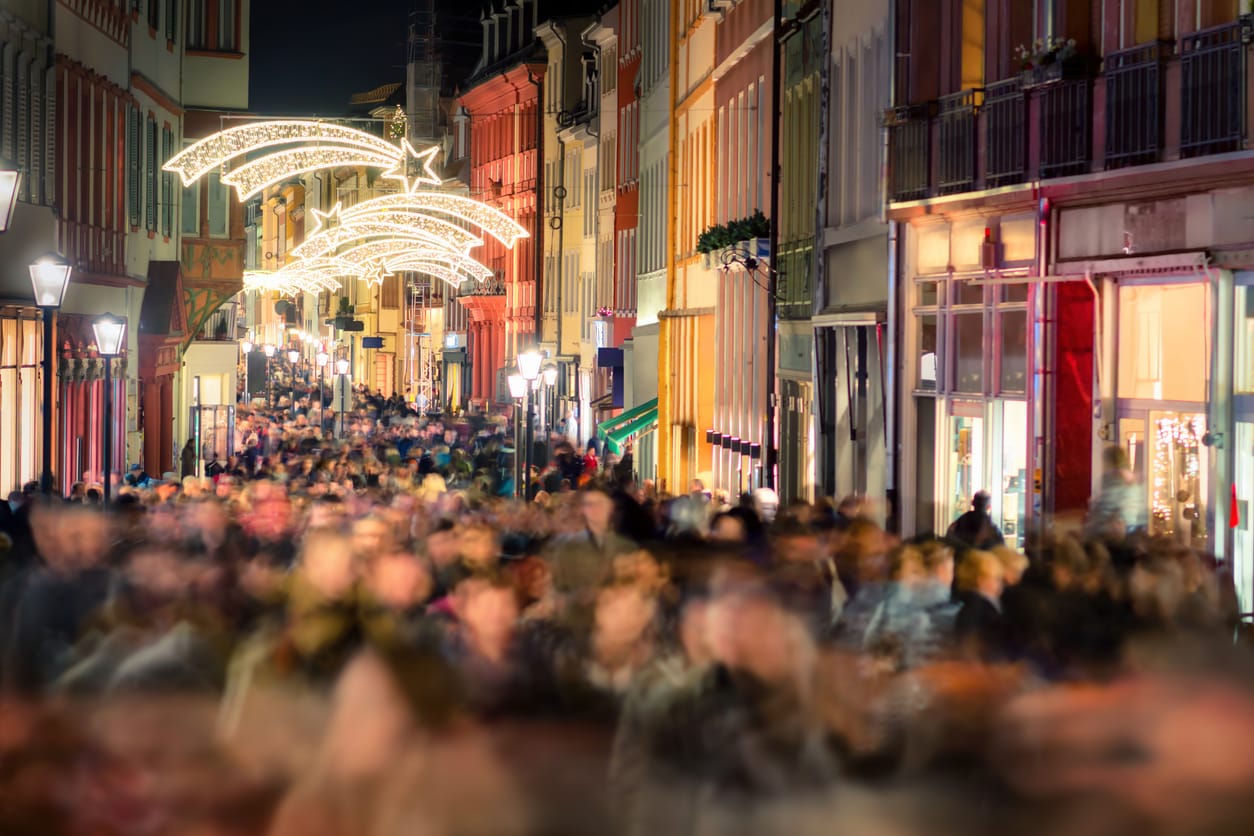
{"x":308,"y":56}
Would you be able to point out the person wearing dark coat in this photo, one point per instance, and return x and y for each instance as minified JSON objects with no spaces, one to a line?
{"x":980,"y":627}
{"x":975,"y":529}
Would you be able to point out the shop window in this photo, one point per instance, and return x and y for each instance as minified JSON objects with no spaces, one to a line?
{"x":1012,"y":487}
{"x":968,"y":293}
{"x":1178,"y":476}
{"x":928,"y":294}
{"x":1163,"y":342}
{"x":1243,"y":336}
{"x":968,"y":364}
{"x":1014,"y":351}
{"x":965,"y":475}
{"x":928,"y":333}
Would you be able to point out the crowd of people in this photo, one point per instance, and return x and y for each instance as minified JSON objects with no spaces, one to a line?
{"x":363,"y":632}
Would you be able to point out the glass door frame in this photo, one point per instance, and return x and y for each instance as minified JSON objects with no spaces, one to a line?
{"x":990,"y":411}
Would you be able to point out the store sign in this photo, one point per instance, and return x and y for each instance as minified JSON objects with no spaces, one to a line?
{"x":372,"y":342}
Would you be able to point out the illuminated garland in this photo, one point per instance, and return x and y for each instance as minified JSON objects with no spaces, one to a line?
{"x":254,"y":177}
{"x":490,"y":219}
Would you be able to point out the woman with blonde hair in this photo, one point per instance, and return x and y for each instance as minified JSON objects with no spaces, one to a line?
{"x":980,"y":627}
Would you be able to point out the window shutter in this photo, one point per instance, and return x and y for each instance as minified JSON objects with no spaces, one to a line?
{"x":150,"y":178}
{"x":132,"y":165}
{"x":32,"y":183}
{"x":50,"y":138}
{"x":167,"y":185}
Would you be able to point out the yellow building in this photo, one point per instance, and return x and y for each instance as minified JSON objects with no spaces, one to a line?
{"x":686,"y":338}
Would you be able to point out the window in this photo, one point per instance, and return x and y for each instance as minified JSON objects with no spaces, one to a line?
{"x":212,"y":25}
{"x":154,"y":14}
{"x":217,"y":208}
{"x":390,"y":293}
{"x":171,"y":19}
{"x":150,"y":176}
{"x":190,"y":224}
{"x":1158,"y":362}
{"x":133,"y":150}
{"x":167,"y":185}
{"x":972,"y":44}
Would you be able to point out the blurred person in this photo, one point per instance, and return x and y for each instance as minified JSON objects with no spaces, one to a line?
{"x":1118,"y":508}
{"x":980,"y":626}
{"x":975,"y":528}
{"x":581,"y":561}
{"x":395,"y":590}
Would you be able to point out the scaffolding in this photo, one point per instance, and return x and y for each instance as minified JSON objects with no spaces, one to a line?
{"x":420,"y":355}
{"x":423,"y":74}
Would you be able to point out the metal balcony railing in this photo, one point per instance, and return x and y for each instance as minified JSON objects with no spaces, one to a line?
{"x":1212,"y":68}
{"x":910,"y":152}
{"x":956,"y":126}
{"x":1134,"y":105}
{"x":1065,"y":128}
{"x":1005,"y":118}
{"x":221,"y":324}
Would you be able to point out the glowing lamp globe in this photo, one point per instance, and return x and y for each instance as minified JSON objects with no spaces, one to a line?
{"x":110,"y":332}
{"x":246,"y":346}
{"x":293,"y":356}
{"x":550,"y":375}
{"x":321,"y":359}
{"x":50,"y":276}
{"x":341,"y":367}
{"x":269,"y":349}
{"x":529,"y":364}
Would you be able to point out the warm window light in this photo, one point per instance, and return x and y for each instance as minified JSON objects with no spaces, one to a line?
{"x":293,"y":356}
{"x":517,"y":386}
{"x":341,"y":367}
{"x":10,"y":185}
{"x":550,"y":375}
{"x":529,"y":365}
{"x":269,"y":349}
{"x":246,"y":346}
{"x":50,"y":276}
{"x":110,"y":331}
{"x":321,"y":359}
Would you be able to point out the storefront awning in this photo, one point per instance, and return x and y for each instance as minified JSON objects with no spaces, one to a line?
{"x":634,"y":422}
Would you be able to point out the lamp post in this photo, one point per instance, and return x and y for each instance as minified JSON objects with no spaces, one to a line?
{"x":549,"y":375}
{"x":246,"y":349}
{"x":49,"y":275}
{"x":341,"y":368}
{"x":293,"y":357}
{"x":321,"y":360}
{"x":10,"y":185}
{"x":529,"y":363}
{"x":269,"y":349}
{"x":110,"y":331}
{"x":519,"y":389}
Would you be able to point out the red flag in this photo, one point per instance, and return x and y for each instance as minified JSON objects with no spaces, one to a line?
{"x":1235,"y":510}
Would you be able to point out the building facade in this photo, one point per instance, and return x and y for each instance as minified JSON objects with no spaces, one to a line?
{"x":1045,"y":252}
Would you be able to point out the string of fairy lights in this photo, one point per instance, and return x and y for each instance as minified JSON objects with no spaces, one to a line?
{"x":412,"y":230}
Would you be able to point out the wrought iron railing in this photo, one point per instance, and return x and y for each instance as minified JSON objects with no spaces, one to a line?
{"x":910,"y":152}
{"x":956,"y":126}
{"x":221,"y":324}
{"x":1134,"y":105}
{"x":1213,"y":89}
{"x":1065,"y":128}
{"x":1006,"y":146}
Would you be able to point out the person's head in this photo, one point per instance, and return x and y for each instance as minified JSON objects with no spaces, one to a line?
{"x":863,"y":553}
{"x":1013,"y":563}
{"x":793,"y":542}
{"x":981,"y":573}
{"x":905,"y":565}
{"x":728,"y":528}
{"x":623,"y":613}
{"x":979,"y":502}
{"x":479,"y":545}
{"x":398,"y":580}
{"x":371,"y":536}
{"x":1115,"y":459}
{"x":326,"y":562}
{"x":938,"y":563}
{"x":487,"y":606}
{"x":597,"y":509}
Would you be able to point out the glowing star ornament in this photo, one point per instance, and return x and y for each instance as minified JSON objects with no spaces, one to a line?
{"x":432,"y":232}
{"x":491,"y":220}
{"x":414,"y":168}
{"x":376,"y":275}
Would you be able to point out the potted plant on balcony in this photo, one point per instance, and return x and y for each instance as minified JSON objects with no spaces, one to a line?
{"x":740,"y":234}
{"x":1048,"y":60}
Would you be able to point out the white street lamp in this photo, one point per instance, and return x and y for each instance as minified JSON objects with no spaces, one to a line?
{"x":246,"y":346}
{"x":321,"y":359}
{"x":10,"y":185}
{"x":517,"y":386}
{"x":529,"y":364}
{"x":341,"y":367}
{"x":269,"y":349}
{"x":49,"y":276}
{"x":550,"y":375}
{"x":293,"y":356}
{"x":110,"y":333}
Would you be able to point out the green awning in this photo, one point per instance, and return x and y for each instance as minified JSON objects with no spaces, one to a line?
{"x":625,"y":417}
{"x":636,"y":421}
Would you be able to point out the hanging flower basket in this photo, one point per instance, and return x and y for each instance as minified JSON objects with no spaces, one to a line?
{"x":1048,"y":61}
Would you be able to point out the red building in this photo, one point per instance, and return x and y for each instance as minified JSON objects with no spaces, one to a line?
{"x":502,"y":100}
{"x":627,"y":202}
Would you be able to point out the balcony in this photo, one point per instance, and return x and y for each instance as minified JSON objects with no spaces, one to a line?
{"x":1151,"y":103}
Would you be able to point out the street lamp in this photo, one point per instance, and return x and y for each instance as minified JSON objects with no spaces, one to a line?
{"x":529,"y":363}
{"x":293,"y":357}
{"x":110,"y":331}
{"x":342,"y":366}
{"x":10,"y":185}
{"x":269,"y":349}
{"x":519,"y":388}
{"x":321,"y":359}
{"x":49,"y":276}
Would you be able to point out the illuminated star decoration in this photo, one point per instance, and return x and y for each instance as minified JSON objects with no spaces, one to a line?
{"x":413,"y":230}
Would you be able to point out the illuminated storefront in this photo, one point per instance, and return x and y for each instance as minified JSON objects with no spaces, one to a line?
{"x":21,"y":355}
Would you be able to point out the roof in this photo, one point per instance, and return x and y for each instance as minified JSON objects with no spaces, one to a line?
{"x":378,"y":95}
{"x":161,"y":312}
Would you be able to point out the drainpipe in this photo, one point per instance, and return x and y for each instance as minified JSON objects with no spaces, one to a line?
{"x":561,"y":226}
{"x":538,"y":307}
{"x":888,"y":381}
{"x":769,"y":452}
{"x":665,"y":370}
